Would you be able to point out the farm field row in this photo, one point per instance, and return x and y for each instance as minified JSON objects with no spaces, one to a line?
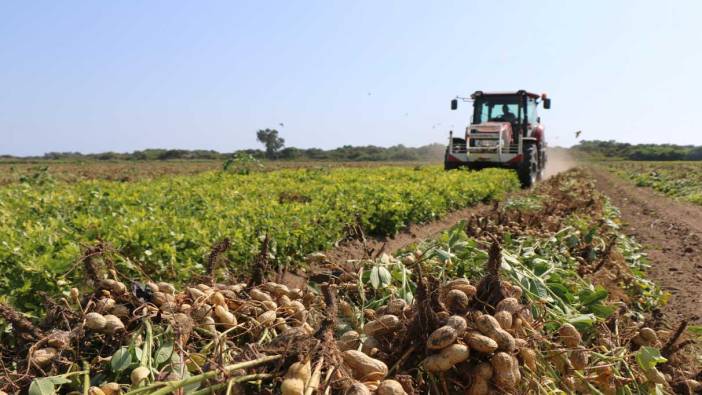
{"x":165,"y":228}
{"x":17,"y":171}
{"x":681,"y":180}
{"x":544,"y":294}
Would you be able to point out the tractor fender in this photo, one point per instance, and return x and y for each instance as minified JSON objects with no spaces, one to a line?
{"x":538,"y":132}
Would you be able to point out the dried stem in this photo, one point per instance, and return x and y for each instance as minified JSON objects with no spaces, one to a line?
{"x":667,"y":349}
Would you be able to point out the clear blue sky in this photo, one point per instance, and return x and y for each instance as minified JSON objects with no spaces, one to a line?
{"x":123,"y":75}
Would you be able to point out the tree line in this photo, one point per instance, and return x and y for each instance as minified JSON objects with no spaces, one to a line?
{"x":611,"y":149}
{"x":273,"y":150}
{"x":347,"y":153}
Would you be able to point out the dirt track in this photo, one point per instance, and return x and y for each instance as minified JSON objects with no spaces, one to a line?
{"x":671,"y":233}
{"x":415,"y":233}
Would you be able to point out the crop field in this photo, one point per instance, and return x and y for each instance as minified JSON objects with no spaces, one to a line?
{"x":166,"y":227}
{"x":17,"y":171}
{"x":681,"y":180}
{"x":13,"y":172}
{"x":543,"y":293}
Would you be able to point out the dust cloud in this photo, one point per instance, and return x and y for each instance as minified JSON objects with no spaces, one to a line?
{"x":558,"y":160}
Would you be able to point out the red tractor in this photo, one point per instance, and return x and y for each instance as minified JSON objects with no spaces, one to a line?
{"x":505,"y":131}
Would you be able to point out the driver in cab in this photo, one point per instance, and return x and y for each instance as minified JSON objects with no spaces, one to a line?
{"x":507,"y":116}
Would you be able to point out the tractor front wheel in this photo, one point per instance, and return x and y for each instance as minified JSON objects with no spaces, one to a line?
{"x":528,"y":170}
{"x":451,"y":165}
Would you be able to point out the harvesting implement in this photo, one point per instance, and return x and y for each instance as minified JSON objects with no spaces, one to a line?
{"x":504,"y":131}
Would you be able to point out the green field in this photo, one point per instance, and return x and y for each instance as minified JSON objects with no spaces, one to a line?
{"x":38,"y":170}
{"x":165,"y":227}
{"x":682,"y":180}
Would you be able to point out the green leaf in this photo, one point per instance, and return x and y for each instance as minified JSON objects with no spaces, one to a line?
{"x":561,"y":290}
{"x":695,"y":330}
{"x":443,"y":254}
{"x":58,"y":380}
{"x":507,"y":238}
{"x":384,"y":276}
{"x":572,"y":241}
{"x":456,"y":234}
{"x":138,"y":353}
{"x":601,"y":310}
{"x":540,"y":266}
{"x":164,"y":352}
{"x":588,"y":297}
{"x":582,"y":322}
{"x":375,"y":277}
{"x":538,"y":288}
{"x":408,"y":297}
{"x":42,"y":386}
{"x":121,"y":360}
{"x":649,"y":357}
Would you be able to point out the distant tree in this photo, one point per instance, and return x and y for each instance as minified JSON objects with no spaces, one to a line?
{"x":173,"y":154}
{"x":614,"y":150}
{"x":106,"y":156}
{"x":270,"y":138}
{"x":291,"y":153}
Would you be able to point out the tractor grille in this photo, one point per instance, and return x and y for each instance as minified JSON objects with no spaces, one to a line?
{"x":510,"y":149}
{"x":459,"y":148}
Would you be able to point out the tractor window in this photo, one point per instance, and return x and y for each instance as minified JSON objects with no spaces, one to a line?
{"x":531,"y":110}
{"x":496,"y":109}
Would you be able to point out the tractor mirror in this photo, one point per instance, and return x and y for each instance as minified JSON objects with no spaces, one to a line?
{"x":547,"y":103}
{"x":454,"y":104}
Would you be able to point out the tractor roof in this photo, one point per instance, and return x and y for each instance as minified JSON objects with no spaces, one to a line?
{"x":514,"y":93}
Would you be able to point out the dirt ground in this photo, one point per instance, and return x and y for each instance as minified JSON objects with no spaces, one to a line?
{"x":671,"y":233}
{"x":415,"y":233}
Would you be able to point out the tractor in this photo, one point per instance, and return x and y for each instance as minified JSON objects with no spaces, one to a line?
{"x":504,"y":131}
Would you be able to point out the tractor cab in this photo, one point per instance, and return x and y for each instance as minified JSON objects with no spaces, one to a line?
{"x":505,"y":130}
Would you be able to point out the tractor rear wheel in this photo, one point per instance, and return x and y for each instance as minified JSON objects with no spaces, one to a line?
{"x":528,"y":170}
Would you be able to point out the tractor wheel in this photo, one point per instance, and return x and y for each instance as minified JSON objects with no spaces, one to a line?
{"x":450,"y":165}
{"x":528,"y":170}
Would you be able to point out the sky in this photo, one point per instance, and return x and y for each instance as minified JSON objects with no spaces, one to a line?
{"x":95,"y":76}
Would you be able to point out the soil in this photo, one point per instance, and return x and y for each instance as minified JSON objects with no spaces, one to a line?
{"x":671,"y":233}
